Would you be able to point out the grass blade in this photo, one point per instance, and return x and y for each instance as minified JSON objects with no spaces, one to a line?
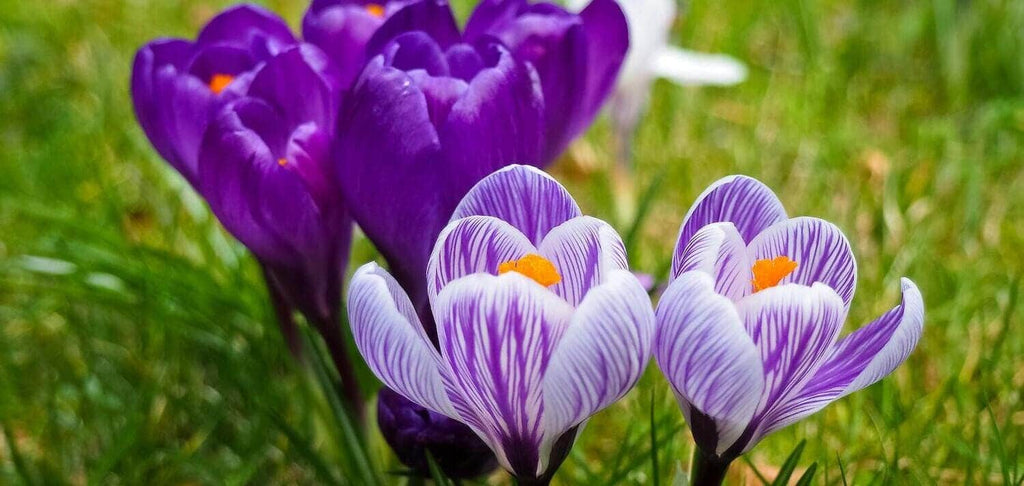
{"x":808,"y":476}
{"x":435,"y":471}
{"x":654,"y":445}
{"x":790,"y":465}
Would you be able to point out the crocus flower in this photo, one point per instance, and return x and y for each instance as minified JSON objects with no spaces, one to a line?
{"x":177,"y":85}
{"x":748,"y":329}
{"x":651,"y":56}
{"x":427,"y":119}
{"x":411,"y":430}
{"x":539,"y":322}
{"x":577,"y":57}
{"x":343,"y":27}
{"x":247,"y":115}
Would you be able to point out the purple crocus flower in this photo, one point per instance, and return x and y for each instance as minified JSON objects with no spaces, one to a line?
{"x":748,"y":329}
{"x":247,"y":115}
{"x":177,"y":85}
{"x":411,"y":430}
{"x":539,"y":322}
{"x":343,"y":27}
{"x":577,"y":57}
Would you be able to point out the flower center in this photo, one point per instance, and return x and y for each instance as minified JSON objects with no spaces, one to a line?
{"x":282,"y":161}
{"x":540,"y":269}
{"x":768,"y":273}
{"x":220,"y":81}
{"x":375,"y":9}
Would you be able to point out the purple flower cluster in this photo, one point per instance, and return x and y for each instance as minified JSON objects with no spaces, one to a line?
{"x":506,"y":318}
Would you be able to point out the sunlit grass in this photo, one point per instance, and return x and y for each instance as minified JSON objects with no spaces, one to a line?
{"x":136,"y":344}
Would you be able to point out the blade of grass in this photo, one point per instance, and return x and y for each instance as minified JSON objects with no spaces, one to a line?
{"x":761,"y":477}
{"x":16,"y":457}
{"x":654,"y":445}
{"x":435,"y":471}
{"x":786,"y":471}
{"x":842,"y":470}
{"x":646,"y":202}
{"x":808,"y":475}
{"x":301,"y":446}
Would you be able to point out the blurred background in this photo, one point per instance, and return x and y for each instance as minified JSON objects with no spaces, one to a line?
{"x":137,"y":345}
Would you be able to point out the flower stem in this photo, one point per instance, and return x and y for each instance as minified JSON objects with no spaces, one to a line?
{"x":330,"y":331}
{"x":285,"y":315}
{"x":707,"y":470}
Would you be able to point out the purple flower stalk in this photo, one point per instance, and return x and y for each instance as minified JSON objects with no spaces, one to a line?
{"x":748,"y":329}
{"x":247,"y":115}
{"x":540,"y":324}
{"x":435,"y":111}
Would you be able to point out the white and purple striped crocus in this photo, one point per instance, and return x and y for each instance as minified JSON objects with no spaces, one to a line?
{"x":540,"y":324}
{"x":748,"y":328}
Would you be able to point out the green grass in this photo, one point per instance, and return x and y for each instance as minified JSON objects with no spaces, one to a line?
{"x":137,"y":346}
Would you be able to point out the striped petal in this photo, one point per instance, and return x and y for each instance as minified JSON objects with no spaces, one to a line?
{"x":602,"y":355}
{"x":794,"y":327}
{"x":477,"y":244}
{"x":712,"y":364}
{"x":497,"y":334}
{"x":584,"y":250}
{"x":718,"y":250}
{"x":819,"y":248}
{"x":392,"y":341}
{"x":523,"y":196}
{"x":860,"y":359}
{"x":743,"y":201}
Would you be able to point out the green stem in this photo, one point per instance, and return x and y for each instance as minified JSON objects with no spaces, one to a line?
{"x":707,"y":470}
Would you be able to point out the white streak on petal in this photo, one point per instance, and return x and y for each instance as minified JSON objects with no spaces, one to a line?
{"x":718,"y":250}
{"x":584,"y":251}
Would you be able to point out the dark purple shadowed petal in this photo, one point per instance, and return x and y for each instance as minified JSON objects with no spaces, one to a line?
{"x":411,"y":430}
{"x":476,"y":244}
{"x":433,"y":17}
{"x":709,"y":359}
{"x":525,"y":197}
{"x":860,"y":359}
{"x":342,"y":30}
{"x":743,"y":201}
{"x":301,"y":84}
{"x":607,"y":43}
{"x":819,"y":248}
{"x":249,"y":27}
{"x":497,"y":335}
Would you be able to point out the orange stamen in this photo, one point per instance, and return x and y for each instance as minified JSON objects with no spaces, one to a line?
{"x":282,"y":161}
{"x":768,"y":273}
{"x":375,"y":9}
{"x":220,"y":81}
{"x":540,"y":269}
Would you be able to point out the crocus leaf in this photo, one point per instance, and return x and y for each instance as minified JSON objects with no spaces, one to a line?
{"x":787,"y":467}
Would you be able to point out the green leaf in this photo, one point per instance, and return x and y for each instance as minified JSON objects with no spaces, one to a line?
{"x":805,"y":480}
{"x":790,"y":465}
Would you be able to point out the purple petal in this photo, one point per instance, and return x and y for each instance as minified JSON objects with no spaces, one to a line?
{"x":709,"y":359}
{"x":477,"y":244}
{"x":248,"y":26}
{"x":434,"y":17}
{"x":819,"y":248}
{"x":497,"y":335}
{"x":793,"y":327}
{"x":301,"y":84}
{"x":391,"y":340}
{"x":525,"y":197}
{"x":342,"y":31}
{"x":585,"y":251}
{"x":859,"y":359}
{"x":601,"y":356}
{"x":492,"y":15}
{"x":607,"y":34}
{"x":743,"y":201}
{"x":718,"y":250}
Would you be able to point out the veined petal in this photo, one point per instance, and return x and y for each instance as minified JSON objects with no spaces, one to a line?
{"x":685,"y":67}
{"x":497,"y":335}
{"x":743,"y":201}
{"x":709,"y":359}
{"x":819,"y":248}
{"x":794,"y":328}
{"x":585,"y":251}
{"x":601,"y":356}
{"x":525,"y":197}
{"x":718,"y":250}
{"x":607,"y":37}
{"x":859,"y":359}
{"x":391,"y":339}
{"x":477,"y":244}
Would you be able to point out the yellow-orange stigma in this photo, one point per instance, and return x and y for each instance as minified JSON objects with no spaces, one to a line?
{"x":282,"y":161}
{"x":220,"y":81}
{"x":375,"y":9}
{"x":768,"y":273}
{"x":540,"y":269}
